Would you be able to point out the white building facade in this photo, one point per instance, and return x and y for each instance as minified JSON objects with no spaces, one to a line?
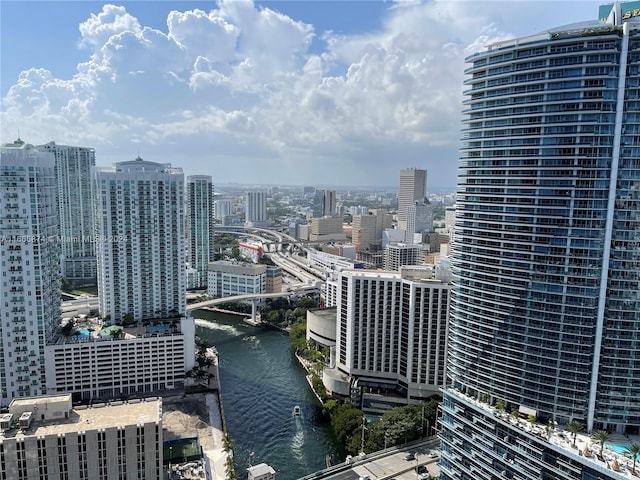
{"x":227,"y":278}
{"x":75,"y":211}
{"x":256,"y":209}
{"x":30,"y":260}
{"x":140,"y":226}
{"x":413,"y":187}
{"x":391,"y":336}
{"x":140,"y":361}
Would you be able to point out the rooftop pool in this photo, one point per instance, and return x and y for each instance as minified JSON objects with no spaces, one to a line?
{"x":620,"y":448}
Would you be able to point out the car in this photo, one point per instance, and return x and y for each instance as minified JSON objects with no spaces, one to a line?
{"x":421,"y":469}
{"x":364,"y":477}
{"x":433,"y":455}
{"x":409,"y":457}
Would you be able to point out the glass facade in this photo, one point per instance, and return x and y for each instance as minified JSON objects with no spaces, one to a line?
{"x":546,"y":304}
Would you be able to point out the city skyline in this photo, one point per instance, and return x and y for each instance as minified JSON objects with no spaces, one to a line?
{"x":329,"y":92}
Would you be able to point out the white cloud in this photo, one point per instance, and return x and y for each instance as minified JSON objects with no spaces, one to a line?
{"x":240,"y":82}
{"x":97,"y":29}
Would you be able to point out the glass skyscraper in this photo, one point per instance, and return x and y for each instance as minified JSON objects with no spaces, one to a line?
{"x":545,"y":313}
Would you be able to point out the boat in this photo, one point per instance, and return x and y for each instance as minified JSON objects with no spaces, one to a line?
{"x":296,"y":410}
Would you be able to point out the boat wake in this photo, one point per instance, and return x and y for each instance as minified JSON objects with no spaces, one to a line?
{"x":230,"y":329}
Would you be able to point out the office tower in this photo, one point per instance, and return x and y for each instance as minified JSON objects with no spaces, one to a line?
{"x":419,"y":221}
{"x":30,"y":283}
{"x":546,"y":307}
{"x":46,"y":438}
{"x":324,"y":203}
{"x":413,"y":187}
{"x":390,"y":336}
{"x":256,"y":209}
{"x":199,"y":229}
{"x":140,"y":245}
{"x":75,"y":211}
{"x":367,"y":229}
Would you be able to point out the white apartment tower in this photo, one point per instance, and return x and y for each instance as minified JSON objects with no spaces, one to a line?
{"x":413,"y":187}
{"x":256,"y":209}
{"x":75,"y":211}
{"x":30,"y":259}
{"x":140,"y":245}
{"x":199,"y":229}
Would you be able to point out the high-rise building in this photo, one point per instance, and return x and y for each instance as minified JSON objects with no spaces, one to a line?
{"x":140,"y":242}
{"x":75,"y":211}
{"x":256,"y":209}
{"x":367,"y":229}
{"x":199,"y":229}
{"x":390,"y":336}
{"x":419,"y":221}
{"x":413,"y":187}
{"x":30,"y":257}
{"x":324,"y":203}
{"x":546,"y":304}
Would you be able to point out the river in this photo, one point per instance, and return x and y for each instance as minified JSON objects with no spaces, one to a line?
{"x":261,"y":382}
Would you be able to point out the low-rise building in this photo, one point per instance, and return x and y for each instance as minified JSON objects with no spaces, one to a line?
{"x":229,"y":278}
{"x":46,"y":438}
{"x":396,"y":256}
{"x":251,"y":251}
{"x":112,"y":362}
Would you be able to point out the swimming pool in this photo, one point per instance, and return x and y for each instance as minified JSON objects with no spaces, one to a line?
{"x":620,"y":448}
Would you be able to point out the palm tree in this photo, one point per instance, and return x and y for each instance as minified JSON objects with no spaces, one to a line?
{"x":633,"y":451}
{"x":574,"y":428}
{"x":601,"y":436}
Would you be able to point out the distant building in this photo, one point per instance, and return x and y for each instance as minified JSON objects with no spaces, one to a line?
{"x":341,"y":249}
{"x":399,"y":255}
{"x":228,"y":278}
{"x":256,"y":209}
{"x":75,"y":211}
{"x":413,"y":187}
{"x":251,"y":251}
{"x":326,"y":229}
{"x":30,"y":254}
{"x":367,"y":229}
{"x":419,"y":221}
{"x":222,"y":208}
{"x":324,"y":203}
{"x":140,"y":223}
{"x":390,"y":337}
{"x":199,"y":214}
{"x":55,"y":440}
{"x":274,"y":279}
{"x":329,"y":262}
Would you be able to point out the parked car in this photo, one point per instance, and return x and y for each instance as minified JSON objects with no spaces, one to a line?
{"x":409,"y":456}
{"x":421,"y":469}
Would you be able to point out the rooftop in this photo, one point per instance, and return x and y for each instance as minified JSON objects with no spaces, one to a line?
{"x":96,"y":416}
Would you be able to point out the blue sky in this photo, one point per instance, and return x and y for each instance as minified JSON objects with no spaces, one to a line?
{"x":275,"y":92}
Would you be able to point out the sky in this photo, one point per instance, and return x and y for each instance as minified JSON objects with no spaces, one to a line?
{"x":320,"y":93}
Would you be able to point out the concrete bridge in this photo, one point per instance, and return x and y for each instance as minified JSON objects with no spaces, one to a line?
{"x":253,"y":297}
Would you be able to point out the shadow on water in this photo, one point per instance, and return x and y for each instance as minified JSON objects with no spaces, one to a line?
{"x":261,"y":382}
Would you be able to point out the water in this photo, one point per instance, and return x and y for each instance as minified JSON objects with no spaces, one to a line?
{"x":261,"y":383}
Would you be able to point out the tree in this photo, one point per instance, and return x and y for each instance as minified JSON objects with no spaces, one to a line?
{"x":551,"y":426}
{"x":633,"y":451}
{"x":574,"y":428}
{"x":500,"y":404}
{"x":601,"y":436}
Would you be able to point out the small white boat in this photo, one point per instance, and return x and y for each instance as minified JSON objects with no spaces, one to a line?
{"x":296,"y":410}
